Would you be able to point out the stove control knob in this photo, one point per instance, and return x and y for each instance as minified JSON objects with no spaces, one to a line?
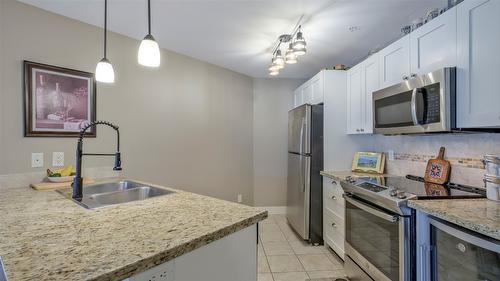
{"x":350,"y":179}
{"x":401,"y":195}
{"x":393,"y":191}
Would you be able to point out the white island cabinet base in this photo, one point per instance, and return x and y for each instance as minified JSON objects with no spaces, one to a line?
{"x":232,"y":258}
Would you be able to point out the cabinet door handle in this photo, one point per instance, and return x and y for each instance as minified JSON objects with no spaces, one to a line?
{"x":413,"y":75}
{"x":334,"y":224}
{"x":357,"y":130}
{"x":362,"y":130}
{"x":334,"y":197}
{"x":405,"y":77}
{"x":334,"y":182}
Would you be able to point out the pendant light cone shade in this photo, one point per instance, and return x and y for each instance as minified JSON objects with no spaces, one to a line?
{"x":279,"y":60}
{"x":274,"y":72}
{"x":299,"y":46}
{"x":290,"y":57}
{"x":149,"y":50}
{"x":104,"y":71}
{"x":273,"y":67}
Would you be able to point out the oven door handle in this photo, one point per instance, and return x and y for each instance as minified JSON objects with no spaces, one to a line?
{"x":371,"y":210}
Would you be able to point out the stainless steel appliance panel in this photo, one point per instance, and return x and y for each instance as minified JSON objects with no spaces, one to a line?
{"x":299,"y":129}
{"x":377,"y":240}
{"x":298,"y":193}
{"x":423,"y":104}
{"x":461,"y":255}
{"x":354,"y":272}
{"x":3,"y":275}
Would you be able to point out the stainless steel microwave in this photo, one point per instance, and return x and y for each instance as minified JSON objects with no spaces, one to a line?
{"x":423,"y":104}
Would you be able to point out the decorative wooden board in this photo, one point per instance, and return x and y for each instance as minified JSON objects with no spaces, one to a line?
{"x":438,"y":170}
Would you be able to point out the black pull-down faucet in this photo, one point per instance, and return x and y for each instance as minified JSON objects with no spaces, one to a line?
{"x":78,"y":181}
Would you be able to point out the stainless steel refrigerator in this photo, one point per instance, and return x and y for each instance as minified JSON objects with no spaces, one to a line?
{"x":305,"y":161}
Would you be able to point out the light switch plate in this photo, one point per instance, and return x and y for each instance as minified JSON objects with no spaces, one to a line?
{"x":36,"y":160}
{"x":57,"y":159}
{"x":390,"y":155}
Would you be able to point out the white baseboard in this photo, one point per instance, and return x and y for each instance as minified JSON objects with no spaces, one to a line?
{"x":275,"y":210}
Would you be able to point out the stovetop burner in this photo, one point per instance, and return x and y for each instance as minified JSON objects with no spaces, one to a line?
{"x":402,"y":187}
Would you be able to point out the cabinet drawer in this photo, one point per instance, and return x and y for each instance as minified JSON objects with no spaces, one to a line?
{"x":334,"y":230}
{"x":332,"y":198}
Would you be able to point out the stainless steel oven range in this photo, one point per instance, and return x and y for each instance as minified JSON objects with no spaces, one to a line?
{"x":380,"y":227}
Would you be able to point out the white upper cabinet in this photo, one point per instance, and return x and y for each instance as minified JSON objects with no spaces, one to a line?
{"x":362,"y":81}
{"x":311,"y":92}
{"x":371,"y":80}
{"x":433,"y":45}
{"x":478,"y":71}
{"x":317,"y":88}
{"x":355,"y":104}
{"x":395,"y":62}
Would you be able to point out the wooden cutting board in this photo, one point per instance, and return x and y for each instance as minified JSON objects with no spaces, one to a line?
{"x":45,"y":186}
{"x":438,"y":170}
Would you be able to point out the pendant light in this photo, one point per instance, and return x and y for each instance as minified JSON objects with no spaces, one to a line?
{"x":299,"y":46}
{"x":290,"y":56}
{"x":279,"y":60}
{"x":149,"y":51}
{"x":104,"y":70}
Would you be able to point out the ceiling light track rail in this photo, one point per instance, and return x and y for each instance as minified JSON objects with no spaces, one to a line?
{"x":296,"y":47}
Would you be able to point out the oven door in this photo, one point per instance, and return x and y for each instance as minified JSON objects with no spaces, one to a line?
{"x":377,"y":241}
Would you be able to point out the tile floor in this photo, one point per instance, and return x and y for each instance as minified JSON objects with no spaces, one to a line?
{"x":283,"y":256}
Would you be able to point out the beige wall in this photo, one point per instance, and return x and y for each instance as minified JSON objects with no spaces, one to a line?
{"x":272,"y":100}
{"x":187,"y":124}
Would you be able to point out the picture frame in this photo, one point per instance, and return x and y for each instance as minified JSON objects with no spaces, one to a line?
{"x":368,"y":162}
{"x":58,"y":101}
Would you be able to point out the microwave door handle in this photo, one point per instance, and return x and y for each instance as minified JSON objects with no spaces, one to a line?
{"x":414,"y":107}
{"x":373,"y":211}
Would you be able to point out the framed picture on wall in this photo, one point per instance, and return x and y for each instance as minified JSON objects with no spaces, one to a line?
{"x":368,"y":162}
{"x":58,"y":102}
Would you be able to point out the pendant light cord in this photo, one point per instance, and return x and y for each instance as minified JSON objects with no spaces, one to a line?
{"x":149,"y":17}
{"x":105,"y":25}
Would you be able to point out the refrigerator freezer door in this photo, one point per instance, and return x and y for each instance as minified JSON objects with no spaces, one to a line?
{"x":299,"y":129}
{"x":298,"y":193}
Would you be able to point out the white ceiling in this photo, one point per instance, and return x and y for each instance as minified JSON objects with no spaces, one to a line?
{"x":239,"y":34}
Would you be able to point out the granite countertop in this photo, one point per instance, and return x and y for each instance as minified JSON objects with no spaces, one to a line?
{"x":44,"y":236}
{"x":479,"y":215}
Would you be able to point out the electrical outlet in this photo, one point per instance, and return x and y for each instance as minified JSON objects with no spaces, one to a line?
{"x":57,"y":159}
{"x":240,"y":198}
{"x":36,"y":160}
{"x":390,"y":155}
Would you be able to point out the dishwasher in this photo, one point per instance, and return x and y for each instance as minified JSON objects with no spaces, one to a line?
{"x":455,"y":253}
{"x":3,"y":275}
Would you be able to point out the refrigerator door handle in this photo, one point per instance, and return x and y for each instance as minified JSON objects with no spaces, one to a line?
{"x":307,"y":173}
{"x":301,"y":178}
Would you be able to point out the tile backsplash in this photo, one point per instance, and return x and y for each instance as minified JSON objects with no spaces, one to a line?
{"x":464,"y":151}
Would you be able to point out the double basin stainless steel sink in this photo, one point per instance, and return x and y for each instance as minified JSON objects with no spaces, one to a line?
{"x":112,"y":193}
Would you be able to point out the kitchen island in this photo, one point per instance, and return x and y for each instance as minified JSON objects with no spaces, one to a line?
{"x":45,"y":236}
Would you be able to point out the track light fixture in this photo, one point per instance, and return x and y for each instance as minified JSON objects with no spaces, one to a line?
{"x":296,"y":47}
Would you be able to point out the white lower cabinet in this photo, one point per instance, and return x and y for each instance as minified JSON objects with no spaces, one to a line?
{"x":232,"y":258}
{"x":478,"y":42}
{"x":333,"y":216}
